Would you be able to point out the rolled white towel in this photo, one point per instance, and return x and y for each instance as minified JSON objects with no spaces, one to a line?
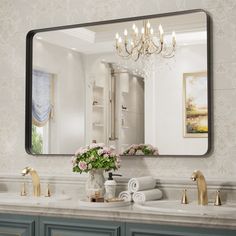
{"x":126,"y":196}
{"x":147,"y":195}
{"x":142,"y":183}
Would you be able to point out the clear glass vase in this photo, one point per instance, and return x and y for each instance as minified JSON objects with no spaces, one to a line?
{"x":95,"y":183}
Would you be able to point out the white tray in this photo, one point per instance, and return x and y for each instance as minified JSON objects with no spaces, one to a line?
{"x":85,"y":203}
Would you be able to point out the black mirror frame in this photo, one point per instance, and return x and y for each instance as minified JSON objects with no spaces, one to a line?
{"x":29,"y":69}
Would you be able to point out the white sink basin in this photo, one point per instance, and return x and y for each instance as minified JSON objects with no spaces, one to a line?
{"x":191,"y":208}
{"x":12,"y":198}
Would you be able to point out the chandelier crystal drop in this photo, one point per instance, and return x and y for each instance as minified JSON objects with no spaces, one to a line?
{"x":144,"y":42}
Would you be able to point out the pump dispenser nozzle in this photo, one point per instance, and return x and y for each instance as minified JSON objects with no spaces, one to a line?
{"x":110,"y":175}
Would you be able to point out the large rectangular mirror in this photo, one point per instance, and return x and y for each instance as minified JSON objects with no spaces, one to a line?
{"x":143,"y":80}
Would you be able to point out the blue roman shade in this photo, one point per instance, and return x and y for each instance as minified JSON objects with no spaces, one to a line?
{"x":41,"y":97}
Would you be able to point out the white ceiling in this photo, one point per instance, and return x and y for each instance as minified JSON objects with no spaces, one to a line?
{"x":189,"y":28}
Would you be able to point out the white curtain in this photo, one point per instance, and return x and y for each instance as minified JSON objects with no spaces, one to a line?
{"x":41,"y":97}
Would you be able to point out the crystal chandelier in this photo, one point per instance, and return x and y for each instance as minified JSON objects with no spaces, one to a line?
{"x":144,"y":43}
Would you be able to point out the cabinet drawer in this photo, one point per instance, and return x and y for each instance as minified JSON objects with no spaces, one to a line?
{"x":78,"y":227}
{"x":18,"y":225}
{"x":133,"y":229}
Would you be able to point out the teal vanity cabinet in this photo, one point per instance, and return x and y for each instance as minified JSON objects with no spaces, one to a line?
{"x":50,"y":226}
{"x":135,"y":229}
{"x":77,"y":227}
{"x":19,"y":225}
{"x":22,"y":225}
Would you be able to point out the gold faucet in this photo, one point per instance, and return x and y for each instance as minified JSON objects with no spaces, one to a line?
{"x":202,"y":187}
{"x":35,"y":180}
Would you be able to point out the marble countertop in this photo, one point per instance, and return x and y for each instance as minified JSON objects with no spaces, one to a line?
{"x":11,"y":202}
{"x":71,"y":209}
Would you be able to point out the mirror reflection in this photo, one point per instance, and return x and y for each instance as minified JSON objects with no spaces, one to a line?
{"x":124,"y":83}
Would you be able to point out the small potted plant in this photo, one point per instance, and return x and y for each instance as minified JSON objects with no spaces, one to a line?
{"x":95,"y":159}
{"x":141,"y":150}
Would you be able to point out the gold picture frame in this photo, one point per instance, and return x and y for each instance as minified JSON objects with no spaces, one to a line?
{"x":195,"y":108}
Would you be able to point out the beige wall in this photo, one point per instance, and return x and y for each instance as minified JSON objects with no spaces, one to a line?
{"x":18,"y":17}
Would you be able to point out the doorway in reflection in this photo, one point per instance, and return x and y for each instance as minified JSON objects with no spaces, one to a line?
{"x":117,"y":113}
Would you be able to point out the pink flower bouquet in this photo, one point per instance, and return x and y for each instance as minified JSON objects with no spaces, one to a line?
{"x":141,"y":150}
{"x":95,"y":156}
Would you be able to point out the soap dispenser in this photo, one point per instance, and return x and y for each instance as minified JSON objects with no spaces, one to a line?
{"x":110,"y":186}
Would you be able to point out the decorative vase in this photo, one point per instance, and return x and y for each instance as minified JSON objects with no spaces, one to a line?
{"x":95,"y":183}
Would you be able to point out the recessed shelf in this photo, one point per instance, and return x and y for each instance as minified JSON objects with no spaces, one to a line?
{"x":98,"y":87}
{"x":98,"y":106}
{"x":100,"y":125}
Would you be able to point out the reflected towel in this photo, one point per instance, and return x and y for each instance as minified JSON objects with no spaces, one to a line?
{"x":142,"y":183}
{"x":148,"y":195}
{"x":126,"y":196}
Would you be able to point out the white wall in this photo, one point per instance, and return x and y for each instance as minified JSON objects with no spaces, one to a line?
{"x":164,"y":122}
{"x":18,"y":17}
{"x":96,"y":73}
{"x":67,"y":125}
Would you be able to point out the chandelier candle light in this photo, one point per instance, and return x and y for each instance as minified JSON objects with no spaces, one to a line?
{"x":144,"y":43}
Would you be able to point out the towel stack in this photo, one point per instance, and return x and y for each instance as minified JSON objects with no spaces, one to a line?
{"x":141,"y":190}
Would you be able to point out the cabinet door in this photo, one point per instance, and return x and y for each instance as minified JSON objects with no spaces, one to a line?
{"x":133,"y":229}
{"x":77,"y":227}
{"x":18,"y":225}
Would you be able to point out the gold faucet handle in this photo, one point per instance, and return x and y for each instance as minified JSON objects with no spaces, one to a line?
{"x":48,"y":192}
{"x":23,"y":190}
{"x":184,"y":199}
{"x":217,"y":200}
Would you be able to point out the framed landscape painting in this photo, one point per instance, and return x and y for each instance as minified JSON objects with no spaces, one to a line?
{"x":195,"y":105}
